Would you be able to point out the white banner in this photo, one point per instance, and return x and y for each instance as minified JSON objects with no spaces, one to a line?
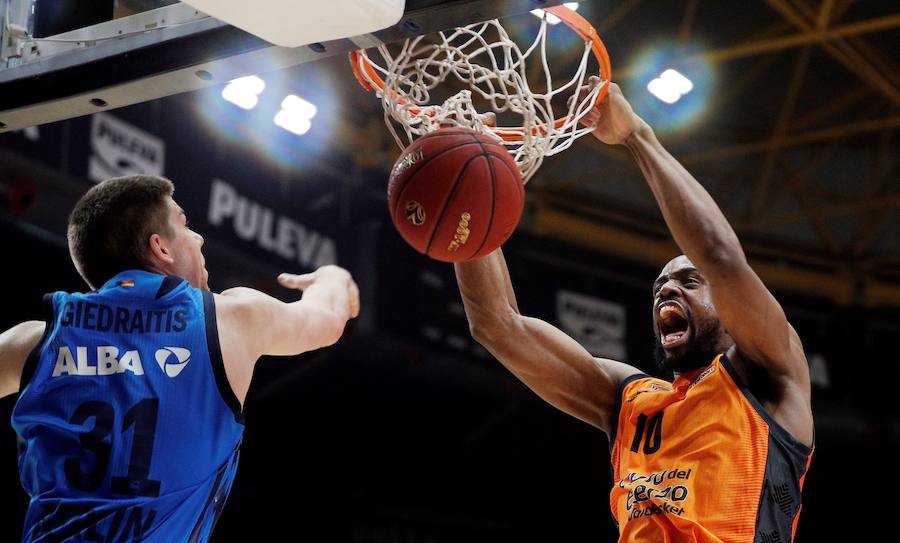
{"x":598,"y":325}
{"x":269,"y":230}
{"x":119,"y":148}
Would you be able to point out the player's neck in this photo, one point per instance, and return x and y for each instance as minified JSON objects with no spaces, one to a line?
{"x":152,"y":268}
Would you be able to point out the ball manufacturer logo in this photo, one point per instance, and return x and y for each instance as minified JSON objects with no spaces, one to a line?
{"x":462,"y":233}
{"x":415,"y":213}
{"x":406,"y":162}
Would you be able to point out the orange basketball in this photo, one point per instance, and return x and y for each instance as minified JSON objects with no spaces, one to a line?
{"x":455,"y":195}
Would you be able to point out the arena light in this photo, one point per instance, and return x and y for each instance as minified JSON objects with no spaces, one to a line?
{"x":296,"y":115}
{"x":553,"y":19}
{"x":244,"y":91}
{"x":292,"y":122}
{"x":296,"y":104}
{"x":670,"y":86}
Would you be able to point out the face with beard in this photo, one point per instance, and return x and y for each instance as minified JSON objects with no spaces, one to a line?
{"x":685,"y":323}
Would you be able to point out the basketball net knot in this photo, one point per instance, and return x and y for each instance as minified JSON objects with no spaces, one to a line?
{"x":458,"y":110}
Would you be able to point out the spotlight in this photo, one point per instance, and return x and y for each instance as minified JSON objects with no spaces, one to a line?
{"x":244,"y":91}
{"x":670,"y":86}
{"x":553,"y":19}
{"x":296,"y":115}
{"x":299,"y":105}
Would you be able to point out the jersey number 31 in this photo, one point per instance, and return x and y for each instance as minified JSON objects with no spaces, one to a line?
{"x":142,"y":416}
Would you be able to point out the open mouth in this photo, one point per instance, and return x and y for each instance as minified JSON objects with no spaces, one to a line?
{"x":673,"y":324}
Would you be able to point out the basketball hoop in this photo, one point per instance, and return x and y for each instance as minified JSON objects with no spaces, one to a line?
{"x":483,"y":58}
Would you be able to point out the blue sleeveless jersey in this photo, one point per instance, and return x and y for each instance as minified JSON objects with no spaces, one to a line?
{"x":128,"y":428}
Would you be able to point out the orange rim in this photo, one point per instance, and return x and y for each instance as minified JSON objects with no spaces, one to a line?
{"x":370,"y":80}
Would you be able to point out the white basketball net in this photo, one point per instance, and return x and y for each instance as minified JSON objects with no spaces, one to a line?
{"x":494,"y":71}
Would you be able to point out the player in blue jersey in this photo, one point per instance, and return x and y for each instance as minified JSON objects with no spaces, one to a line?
{"x":129,"y":413}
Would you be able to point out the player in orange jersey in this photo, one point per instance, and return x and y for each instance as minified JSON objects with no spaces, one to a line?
{"x":717,"y":455}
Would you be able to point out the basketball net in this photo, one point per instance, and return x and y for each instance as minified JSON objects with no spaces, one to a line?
{"x":483,"y":58}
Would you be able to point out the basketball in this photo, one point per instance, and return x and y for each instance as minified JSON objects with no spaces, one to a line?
{"x":455,"y":195}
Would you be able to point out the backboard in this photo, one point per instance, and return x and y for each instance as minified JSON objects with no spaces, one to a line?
{"x":148,"y":49}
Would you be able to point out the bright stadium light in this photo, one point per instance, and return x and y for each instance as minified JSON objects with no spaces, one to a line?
{"x":293,"y":122}
{"x":681,"y":83}
{"x":670,"y":86}
{"x":244,"y":91}
{"x":664,"y":92}
{"x":299,"y":105}
{"x":296,"y":115}
{"x":553,"y":19}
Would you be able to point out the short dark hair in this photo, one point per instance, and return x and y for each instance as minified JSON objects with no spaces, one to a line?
{"x":111,"y":225}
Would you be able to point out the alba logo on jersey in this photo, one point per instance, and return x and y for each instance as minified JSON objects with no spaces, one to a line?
{"x":106,"y":360}
{"x":172,"y":360}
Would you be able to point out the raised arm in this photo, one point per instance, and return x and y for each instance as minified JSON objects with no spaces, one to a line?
{"x":15,"y":345}
{"x":253,"y":324}
{"x":753,"y":318}
{"x":551,"y":363}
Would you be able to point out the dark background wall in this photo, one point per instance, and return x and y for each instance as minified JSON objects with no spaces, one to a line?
{"x":407,"y":431}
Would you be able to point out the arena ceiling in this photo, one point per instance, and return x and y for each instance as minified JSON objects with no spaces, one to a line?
{"x":796,"y":140}
{"x":794,"y":134}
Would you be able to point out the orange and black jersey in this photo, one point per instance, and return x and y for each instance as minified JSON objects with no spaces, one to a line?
{"x":699,"y":459}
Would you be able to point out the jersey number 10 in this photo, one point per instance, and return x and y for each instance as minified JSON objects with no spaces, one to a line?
{"x":653,"y":436}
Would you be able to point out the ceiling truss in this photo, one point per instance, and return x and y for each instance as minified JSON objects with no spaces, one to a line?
{"x":803,"y":146}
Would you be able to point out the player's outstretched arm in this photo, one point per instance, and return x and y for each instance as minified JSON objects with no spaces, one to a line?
{"x":252,"y":323}
{"x":551,"y":363}
{"x":751,"y":315}
{"x":15,"y":345}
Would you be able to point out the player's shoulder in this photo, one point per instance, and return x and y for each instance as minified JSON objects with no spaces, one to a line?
{"x":617,"y":371}
{"x":641,"y":383}
{"x":750,"y":369}
{"x":238,"y":293}
{"x":240,"y":299}
{"x":16,"y":344}
{"x":22,"y":337}
{"x":29,"y":329}
{"x":244,"y":306}
{"x":630,"y":388}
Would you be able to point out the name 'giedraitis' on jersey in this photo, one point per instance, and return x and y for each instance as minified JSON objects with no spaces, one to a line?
{"x":122,"y":320}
